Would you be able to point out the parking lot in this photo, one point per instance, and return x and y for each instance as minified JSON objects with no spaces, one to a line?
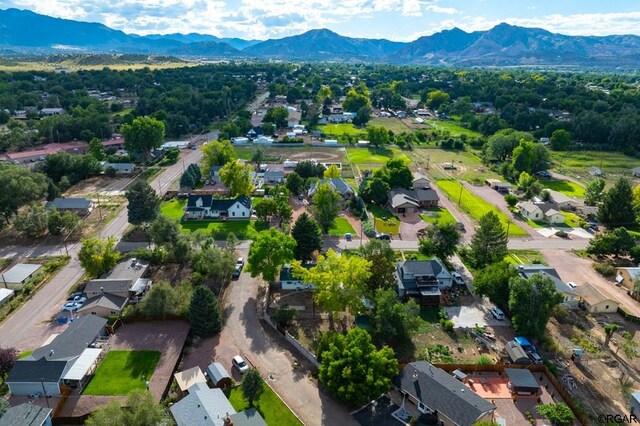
{"x":476,"y":315}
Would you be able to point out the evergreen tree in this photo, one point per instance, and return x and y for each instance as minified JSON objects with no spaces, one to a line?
{"x":252,"y":386}
{"x":144,"y":204}
{"x":187,"y":180}
{"x":204,"y":313}
{"x":307,"y":234}
{"x":489,"y":243}
{"x":441,"y":240}
{"x":616,"y":208}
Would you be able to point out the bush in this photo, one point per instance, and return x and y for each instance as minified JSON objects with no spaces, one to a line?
{"x":446,"y":324}
{"x":283,"y":316}
{"x":605,"y":269}
{"x":561,"y":234}
{"x":368,"y":229}
{"x":484,"y":359}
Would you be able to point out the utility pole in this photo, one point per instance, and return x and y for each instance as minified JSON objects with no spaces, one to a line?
{"x":99,"y":207}
{"x":460,"y":196}
{"x":508,"y":226}
{"x":4,"y":281}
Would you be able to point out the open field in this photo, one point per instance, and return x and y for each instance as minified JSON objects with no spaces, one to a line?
{"x":269,"y":405}
{"x":374,"y":155}
{"x":468,"y":165}
{"x":340,"y":227}
{"x":577,"y":163}
{"x":476,"y":206}
{"x":452,"y":127}
{"x":340,"y":129}
{"x":276,"y":154}
{"x":524,"y":257}
{"x":75,"y":66}
{"x":570,"y":189}
{"x":390,"y":123}
{"x":122,"y":372}
{"x":438,"y":215}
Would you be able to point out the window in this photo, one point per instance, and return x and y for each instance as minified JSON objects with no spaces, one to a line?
{"x":233,"y":213}
{"x":114,"y":313}
{"x":606,"y":307}
{"x":422,"y":408}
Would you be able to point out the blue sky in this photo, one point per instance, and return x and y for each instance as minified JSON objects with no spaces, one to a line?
{"x":400,"y":20}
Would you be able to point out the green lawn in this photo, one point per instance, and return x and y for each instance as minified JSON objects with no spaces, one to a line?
{"x":173,"y":209}
{"x":24,"y":354}
{"x":568,"y":188}
{"x":393,"y":124}
{"x":438,"y":215}
{"x":243,"y":229}
{"x":524,"y":257}
{"x":270,"y":406}
{"x":380,"y":212}
{"x":571,"y":220}
{"x":122,"y":372}
{"x":340,"y":227}
{"x":387,"y":226}
{"x":476,"y":206}
{"x":340,"y":129}
{"x":374,"y":155}
{"x":452,"y":127}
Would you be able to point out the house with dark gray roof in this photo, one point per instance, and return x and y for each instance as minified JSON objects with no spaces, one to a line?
{"x":207,"y":207}
{"x":423,"y":280}
{"x":104,"y":305}
{"x":570,"y":297}
{"x":120,"y":168}
{"x":26,"y":415}
{"x":412,"y":200}
{"x":338,"y":185}
{"x":438,"y":394}
{"x":272,"y":177}
{"x":79,"y":206}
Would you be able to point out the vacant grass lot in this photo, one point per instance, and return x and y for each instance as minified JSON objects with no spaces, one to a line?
{"x":387,"y":226}
{"x":612,"y":164}
{"x":122,"y":372}
{"x":243,"y":229}
{"x":340,"y":129}
{"x":374,"y":155}
{"x":476,"y":206}
{"x":525,"y":257}
{"x":438,"y":215}
{"x":340,"y":227}
{"x":452,"y":127}
{"x":269,"y":405}
{"x":390,"y":123}
{"x":568,"y":188}
{"x":173,"y":209}
{"x":469,"y":165}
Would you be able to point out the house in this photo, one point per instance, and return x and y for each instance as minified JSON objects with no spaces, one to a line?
{"x":422,"y":280}
{"x":441,"y":398}
{"x":19,"y":274}
{"x":412,"y":200}
{"x":206,"y":207}
{"x":66,"y":361}
{"x":363,"y":144}
{"x":104,"y":305}
{"x":5,"y":295}
{"x":294,"y":119}
{"x":595,"y":171}
{"x":540,"y":212}
{"x":635,"y":172}
{"x":242,"y":141}
{"x":502,"y":187}
{"x":115,"y":142}
{"x":290,"y":282}
{"x":626,"y":276}
{"x":516,"y":354}
{"x":338,"y":185}
{"x":263,"y":140}
{"x":569,"y":295}
{"x":594,"y":301}
{"x":634,"y":407}
{"x":48,"y":149}
{"x":331,"y":142}
{"x":187,"y":378}
{"x":420,"y":181}
{"x":79,"y":206}
{"x":218,"y":375}
{"x":51,"y":111}
{"x":345,"y":117}
{"x":120,"y":168}
{"x":521,"y":381}
{"x":176,"y":144}
{"x":563,"y":202}
{"x":26,"y":415}
{"x":271,"y":177}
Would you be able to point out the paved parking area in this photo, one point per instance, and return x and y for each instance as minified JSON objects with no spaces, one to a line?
{"x":471,"y":316}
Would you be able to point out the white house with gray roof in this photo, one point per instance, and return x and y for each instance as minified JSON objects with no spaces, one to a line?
{"x":339,"y":185}
{"x":569,"y":295}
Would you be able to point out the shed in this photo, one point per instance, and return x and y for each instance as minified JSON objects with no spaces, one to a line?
{"x":218,"y":375}
{"x":19,"y":274}
{"x":521,"y":381}
{"x":5,"y":295}
{"x":516,"y":354}
{"x":190,"y":377}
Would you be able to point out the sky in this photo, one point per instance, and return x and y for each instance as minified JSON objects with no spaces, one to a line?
{"x":401,"y":20}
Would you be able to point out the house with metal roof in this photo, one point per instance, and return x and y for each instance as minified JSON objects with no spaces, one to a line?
{"x":26,"y":415}
{"x":18,"y":275}
{"x":207,"y":207}
{"x":423,"y":280}
{"x":338,"y":184}
{"x":440,"y":397}
{"x":569,"y":295}
{"x":79,"y":206}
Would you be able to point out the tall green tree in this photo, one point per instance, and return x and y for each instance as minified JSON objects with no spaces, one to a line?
{"x":144,"y":203}
{"x":489,"y":243}
{"x":218,"y":153}
{"x":399,"y":173}
{"x":560,"y":140}
{"x":161,"y":302}
{"x":142,"y":136}
{"x":332,"y":172}
{"x":20,"y":186}
{"x":616,"y":208}
{"x":98,"y":255}
{"x":308,"y":237}
{"x":376,"y":191}
{"x":441,"y":240}
{"x":187,"y":180}
{"x":96,"y":149}
{"x":278,"y":116}
{"x":204,"y":313}
{"x":394,"y":322}
{"x":164,"y":231}
{"x":237,"y":177}
{"x":252,"y":386}
{"x":355,"y":371}
{"x":383,"y":266}
{"x":215,"y":265}
{"x":32,"y":221}
{"x":140,"y":409}
{"x":593,"y":192}
{"x":294,"y":183}
{"x":268,"y":252}
{"x":356,"y":99}
{"x":617,"y":242}
{"x":531,"y":303}
{"x":326,"y":205}
{"x":265,"y":209}
{"x":493,"y":281}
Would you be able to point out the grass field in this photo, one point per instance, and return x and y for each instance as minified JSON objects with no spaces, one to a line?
{"x":438,"y":215}
{"x":476,"y":206}
{"x":387,"y":226}
{"x":524,"y":257}
{"x":571,"y":220}
{"x":568,"y":188}
{"x":243,"y":229}
{"x":469,"y":166}
{"x":340,"y":129}
{"x":612,"y":164}
{"x":393,"y":124}
{"x":51,"y":67}
{"x":122,"y":372}
{"x":269,"y":405}
{"x":173,"y":209}
{"x":374,"y":155}
{"x":452,"y":127}
{"x":340,"y":227}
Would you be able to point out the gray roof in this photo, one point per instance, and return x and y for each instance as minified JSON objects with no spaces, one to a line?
{"x":20,"y":272}
{"x":73,"y":341}
{"x":28,"y":370}
{"x":218,"y":204}
{"x":527,"y":271}
{"x":528,"y":206}
{"x":423,"y":267}
{"x":559,"y":197}
{"x":336,"y":183}
{"x":107,"y":301}
{"x":130,"y":269}
{"x":516,"y":353}
{"x":408,"y":272}
{"x":203,"y":406}
{"x":69,"y":204}
{"x":25,"y":415}
{"x":399,"y":198}
{"x":248,"y":417}
{"x":273,"y":175}
{"x":108,"y":285}
{"x":440,"y":391}
{"x":217,"y":372}
{"x":119,"y":166}
{"x":140,"y":285}
{"x":521,"y":378}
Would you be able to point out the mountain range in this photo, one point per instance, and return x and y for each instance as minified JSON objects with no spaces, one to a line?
{"x":503,"y":45}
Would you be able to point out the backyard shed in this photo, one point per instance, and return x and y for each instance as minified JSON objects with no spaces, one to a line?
{"x":5,"y":295}
{"x":521,"y":381}
{"x":187,"y":378}
{"x":218,"y":375}
{"x":516,"y":354}
{"x":19,"y":274}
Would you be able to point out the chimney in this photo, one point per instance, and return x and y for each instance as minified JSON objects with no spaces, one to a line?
{"x":102,"y":289}
{"x":228,"y":421}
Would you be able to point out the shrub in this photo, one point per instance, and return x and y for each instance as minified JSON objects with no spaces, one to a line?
{"x":484,"y":359}
{"x":561,"y":234}
{"x":368,"y":229}
{"x":283,"y":316}
{"x":447,"y":325}
{"x":604,"y":269}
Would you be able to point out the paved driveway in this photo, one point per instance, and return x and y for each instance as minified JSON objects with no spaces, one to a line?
{"x":475,"y":315}
{"x":410,"y":224}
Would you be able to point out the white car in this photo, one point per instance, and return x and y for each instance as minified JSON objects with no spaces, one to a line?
{"x":240,"y":364}
{"x":240,"y":263}
{"x":457,"y":278}
{"x":497,"y":313}
{"x":572,"y":284}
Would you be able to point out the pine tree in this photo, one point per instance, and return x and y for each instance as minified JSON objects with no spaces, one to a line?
{"x":489,"y":243}
{"x":204,"y":313}
{"x":144,"y":204}
{"x":307,"y":234}
{"x":617,"y":205}
{"x":252,"y":385}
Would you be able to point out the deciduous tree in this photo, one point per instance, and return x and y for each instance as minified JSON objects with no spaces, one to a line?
{"x":326,"y":205}
{"x":237,"y":177}
{"x":441,"y":240}
{"x":268,"y":252}
{"x":489,"y":243}
{"x":399,"y":173}
{"x":376,"y":191}
{"x":252,"y":386}
{"x":559,"y":414}
{"x":493,"y":281}
{"x":218,"y":153}
{"x":98,"y":255}
{"x":164,"y":231}
{"x":294,"y":183}
{"x":616,"y":208}
{"x":96,"y":149}
{"x":140,"y":409}
{"x":531,"y":303}
{"x":394,"y":322}
{"x":332,"y":172}
{"x":617,"y":242}
{"x":161,"y":302}
{"x":560,"y":140}
{"x":308,"y":237}
{"x":266,"y":208}
{"x":204,"y":313}
{"x":144,"y":203}
{"x":593,"y":192}
{"x":20,"y":187}
{"x":143,"y":136}
{"x":383,"y":266}
{"x":8,"y":358}
{"x":32,"y":221}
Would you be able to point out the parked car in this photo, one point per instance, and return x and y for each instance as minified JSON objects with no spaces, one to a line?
{"x":240,"y":263}
{"x":572,"y":284}
{"x":497,"y":313}
{"x":385,"y":237}
{"x":457,"y":278}
{"x":77,"y":297}
{"x":236,"y":272}
{"x":535,"y":358}
{"x":460,"y":227}
{"x":240,"y":364}
{"x":71,"y":306}
{"x":543,"y":174}
{"x":348,"y":236}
